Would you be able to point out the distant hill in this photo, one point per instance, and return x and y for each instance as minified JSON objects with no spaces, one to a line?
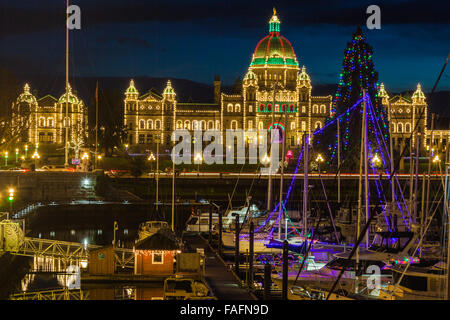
{"x":187,"y":90}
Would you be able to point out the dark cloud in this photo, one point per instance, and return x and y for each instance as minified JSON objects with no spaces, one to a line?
{"x":232,"y":14}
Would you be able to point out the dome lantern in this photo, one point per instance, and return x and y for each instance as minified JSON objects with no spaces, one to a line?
{"x":26,"y":96}
{"x":169,"y":92}
{"x":274,"y":23}
{"x":132,"y":91}
{"x":418,"y":96}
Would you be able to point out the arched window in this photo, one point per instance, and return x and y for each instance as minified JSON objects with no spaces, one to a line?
{"x":283,"y":107}
{"x":250,"y":125}
{"x":291,"y":108}
{"x":304,"y":109}
{"x":315,"y":108}
{"x":292,"y":125}
{"x":210,"y":124}
{"x":277,"y":108}
{"x":179,"y":124}
{"x":50,"y":122}
{"x":260,"y":125}
{"x":157,"y":124}
{"x":42,"y":122}
{"x":318,"y":125}
{"x":234,"y":125}
{"x":237,"y":108}
{"x":303,"y":125}
{"x":187,"y":125}
{"x":217,"y":125}
{"x":67,"y":122}
{"x":323,"y":109}
{"x":269,"y":107}
{"x":250,"y":108}
{"x":150,"y":124}
{"x":400,"y":127}
{"x":203,"y":125}
{"x":141,"y":124}
{"x":230,"y":108}
{"x":195,"y":125}
{"x":261,"y":107}
{"x":408,"y":127}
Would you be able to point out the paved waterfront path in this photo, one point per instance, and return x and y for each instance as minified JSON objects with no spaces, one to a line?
{"x":221,"y":280}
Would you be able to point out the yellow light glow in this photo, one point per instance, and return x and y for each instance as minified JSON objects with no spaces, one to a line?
{"x":265,"y":159}
{"x":35,"y":155}
{"x":198,"y":157}
{"x":99,"y":157}
{"x":436,"y":159}
{"x":319,"y":158}
{"x":376,"y":160}
{"x":85,"y":156}
{"x":151,"y":157}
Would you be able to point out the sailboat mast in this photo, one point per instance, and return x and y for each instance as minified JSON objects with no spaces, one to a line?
{"x":96,"y":125}
{"x":305,"y":183}
{"x":339,"y":158}
{"x":66,"y":157}
{"x":366,"y":167}
{"x":269,"y":187}
{"x":283,"y":151}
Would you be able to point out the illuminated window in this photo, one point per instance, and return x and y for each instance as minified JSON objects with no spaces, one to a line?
{"x":99,"y":232}
{"x":323,"y":109}
{"x":303,"y":125}
{"x":50,"y":122}
{"x":195,"y":125}
{"x":277,"y":108}
{"x":158,"y":124}
{"x":217,"y":125}
{"x":179,"y":124}
{"x":41,"y":122}
{"x":400,"y":127}
{"x":210,"y":124}
{"x":52,"y":234}
{"x":141,"y":139}
{"x":292,"y":125}
{"x":315,"y":108}
{"x":141,"y":124}
{"x":149,"y":138}
{"x":250,"y":124}
{"x":408,"y":127}
{"x":250,"y":108}
{"x":234,"y":125}
{"x":318,"y":125}
{"x":261,"y":107}
{"x":230,"y":108}
{"x":187,"y":125}
{"x":150,"y":124}
{"x":237,"y":108}
{"x":203,"y":125}
{"x":157,"y":258}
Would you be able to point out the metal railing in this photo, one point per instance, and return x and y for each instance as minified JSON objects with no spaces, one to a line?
{"x":61,"y":294}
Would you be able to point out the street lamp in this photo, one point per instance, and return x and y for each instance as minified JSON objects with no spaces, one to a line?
{"x":26,"y":151}
{"x":319,"y":160}
{"x":126,"y":147}
{"x":151,"y":158}
{"x":17,"y":154}
{"x":265,"y":160}
{"x":6,"y":158}
{"x":198,"y":158}
{"x":436,"y":159}
{"x":376,"y":161}
{"x":35,"y":157}
{"x":85,"y":156}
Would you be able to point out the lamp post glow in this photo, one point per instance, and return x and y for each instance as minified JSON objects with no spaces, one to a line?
{"x":6,"y":158}
{"x":26,"y":151}
{"x":376,"y":161}
{"x":11,"y":199}
{"x":319,"y":158}
{"x":85,"y":156}
{"x":436,"y":159}
{"x":35,"y":157}
{"x":17,"y":155}
{"x":151,"y":158}
{"x":265,"y":160}
{"x":198,"y":158}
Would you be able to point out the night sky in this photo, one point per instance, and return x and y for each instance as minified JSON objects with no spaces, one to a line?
{"x":197,"y":39}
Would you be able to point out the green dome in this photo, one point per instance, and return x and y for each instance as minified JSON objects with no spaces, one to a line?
{"x":274,"y":49}
{"x":27,"y":96}
{"x":72,"y":98}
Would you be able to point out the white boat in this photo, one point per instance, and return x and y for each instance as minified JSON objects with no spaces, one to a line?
{"x":387,"y":248}
{"x":200,"y":223}
{"x":421,"y":281}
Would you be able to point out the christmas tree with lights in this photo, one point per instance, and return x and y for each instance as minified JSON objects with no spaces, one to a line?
{"x":358,"y":73}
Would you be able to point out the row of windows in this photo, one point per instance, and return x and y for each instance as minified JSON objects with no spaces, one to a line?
{"x":45,"y":137}
{"x":142,"y":124}
{"x":49,"y":122}
{"x":197,"y":125}
{"x":401,"y":128}
{"x":235,"y":108}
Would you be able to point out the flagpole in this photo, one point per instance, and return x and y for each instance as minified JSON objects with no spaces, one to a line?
{"x":66,"y":151}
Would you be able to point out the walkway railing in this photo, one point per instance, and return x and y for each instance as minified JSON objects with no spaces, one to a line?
{"x":61,"y":294}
